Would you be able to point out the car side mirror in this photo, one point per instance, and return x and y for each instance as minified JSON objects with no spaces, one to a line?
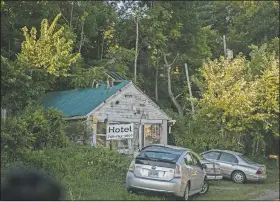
{"x":203,"y":166}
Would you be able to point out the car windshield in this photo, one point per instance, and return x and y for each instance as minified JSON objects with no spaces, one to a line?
{"x":246,"y":159}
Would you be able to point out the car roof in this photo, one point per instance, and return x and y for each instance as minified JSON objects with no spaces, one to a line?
{"x":171,"y":147}
{"x":227,"y":151}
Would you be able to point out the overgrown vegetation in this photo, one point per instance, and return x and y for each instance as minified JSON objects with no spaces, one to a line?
{"x":49,"y":46}
{"x":85,"y":172}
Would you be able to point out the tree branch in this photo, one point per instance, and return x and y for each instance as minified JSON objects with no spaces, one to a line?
{"x":178,"y":95}
{"x":174,"y":59}
{"x":165,"y":59}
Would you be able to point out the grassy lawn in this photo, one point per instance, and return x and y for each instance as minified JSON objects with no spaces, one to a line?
{"x":227,"y":190}
{"x":109,"y":189}
{"x":94,"y":174}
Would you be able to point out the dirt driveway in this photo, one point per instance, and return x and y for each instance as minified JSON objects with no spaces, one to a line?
{"x":269,"y":195}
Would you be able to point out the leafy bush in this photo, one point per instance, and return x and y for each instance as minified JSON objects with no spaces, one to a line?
{"x":32,"y":129}
{"x":201,"y":135}
{"x":86,"y":173}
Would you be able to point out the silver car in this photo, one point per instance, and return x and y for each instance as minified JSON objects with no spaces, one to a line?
{"x":235,"y":166}
{"x":213,"y":170}
{"x":168,"y":169}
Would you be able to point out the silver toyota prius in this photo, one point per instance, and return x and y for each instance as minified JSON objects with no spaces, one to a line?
{"x":168,"y":169}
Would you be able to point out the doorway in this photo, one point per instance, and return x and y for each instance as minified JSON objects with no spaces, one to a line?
{"x":151,"y":134}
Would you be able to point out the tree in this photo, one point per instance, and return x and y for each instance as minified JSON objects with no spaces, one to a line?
{"x":242,"y":96}
{"x":52,"y":52}
{"x":19,"y":85}
{"x":32,"y":129}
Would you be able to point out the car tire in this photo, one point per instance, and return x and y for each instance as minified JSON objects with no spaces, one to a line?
{"x":187,"y":192}
{"x":205,"y":187}
{"x":238,"y":177}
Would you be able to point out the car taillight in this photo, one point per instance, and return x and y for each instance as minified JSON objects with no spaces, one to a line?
{"x":177,"y":171}
{"x":131,"y":167}
{"x":260,"y":171}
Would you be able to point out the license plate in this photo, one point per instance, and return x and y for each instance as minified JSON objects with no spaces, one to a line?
{"x":153,"y":173}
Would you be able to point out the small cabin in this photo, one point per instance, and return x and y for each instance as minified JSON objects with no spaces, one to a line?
{"x":117,"y":115}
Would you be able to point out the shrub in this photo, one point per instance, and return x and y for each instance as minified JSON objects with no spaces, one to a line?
{"x":85,"y":172}
{"x":32,"y":129}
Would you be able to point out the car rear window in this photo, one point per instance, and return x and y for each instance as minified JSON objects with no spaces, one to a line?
{"x":246,"y":159}
{"x":161,"y":154}
{"x":143,"y":161}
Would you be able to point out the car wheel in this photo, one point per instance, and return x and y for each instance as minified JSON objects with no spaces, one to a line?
{"x":238,"y":177}
{"x":205,"y":187}
{"x":186,"y":195}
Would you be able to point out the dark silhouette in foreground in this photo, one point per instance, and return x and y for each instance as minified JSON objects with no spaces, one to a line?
{"x":23,"y":184}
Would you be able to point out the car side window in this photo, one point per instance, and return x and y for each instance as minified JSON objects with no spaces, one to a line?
{"x":228,"y":158}
{"x":196,"y":161}
{"x":211,"y":155}
{"x":188,"y":159}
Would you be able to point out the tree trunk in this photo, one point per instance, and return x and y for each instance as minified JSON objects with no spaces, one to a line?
{"x":170,"y":93}
{"x":156,"y":84}
{"x":136,"y":50}
{"x":190,"y":90}
{"x":177,"y":105}
{"x":71,"y":14}
{"x":82,"y":39}
{"x":102,"y":48}
{"x":98,"y":49}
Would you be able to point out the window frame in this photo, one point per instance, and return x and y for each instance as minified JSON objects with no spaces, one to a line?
{"x":198,"y":161}
{"x":236,"y":159}
{"x":186,"y":159}
{"x":219,"y":154}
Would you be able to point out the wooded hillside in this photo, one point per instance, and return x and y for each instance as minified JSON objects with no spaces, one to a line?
{"x":59,"y":45}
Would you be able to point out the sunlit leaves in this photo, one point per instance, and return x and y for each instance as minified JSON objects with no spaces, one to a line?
{"x":242,"y":93}
{"x":52,"y":52}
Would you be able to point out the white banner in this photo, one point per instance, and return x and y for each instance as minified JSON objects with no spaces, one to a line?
{"x":119,"y":131}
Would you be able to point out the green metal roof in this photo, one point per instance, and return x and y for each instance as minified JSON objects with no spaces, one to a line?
{"x":79,"y":102}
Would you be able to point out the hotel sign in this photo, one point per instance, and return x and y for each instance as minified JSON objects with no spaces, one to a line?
{"x":119,"y":131}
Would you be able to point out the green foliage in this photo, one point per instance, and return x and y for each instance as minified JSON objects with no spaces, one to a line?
{"x":87,"y":78}
{"x":52,"y":52}
{"x":79,"y":132}
{"x":85,"y":172}
{"x":241,"y":101}
{"x":201,"y":135}
{"x":19,"y":85}
{"x":254,"y":23}
{"x":32,"y":129}
{"x":236,"y":101}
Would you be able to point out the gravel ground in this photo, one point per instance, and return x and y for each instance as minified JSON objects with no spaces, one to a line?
{"x":268,"y":196}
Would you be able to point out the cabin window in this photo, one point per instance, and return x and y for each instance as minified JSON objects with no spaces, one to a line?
{"x":101,"y":134}
{"x":101,"y":128}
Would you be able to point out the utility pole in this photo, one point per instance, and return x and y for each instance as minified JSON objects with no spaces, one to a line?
{"x":225,"y":45}
{"x":190,"y":90}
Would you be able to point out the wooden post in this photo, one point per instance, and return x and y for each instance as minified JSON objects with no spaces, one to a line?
{"x":190,"y":90}
{"x":225,"y":45}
